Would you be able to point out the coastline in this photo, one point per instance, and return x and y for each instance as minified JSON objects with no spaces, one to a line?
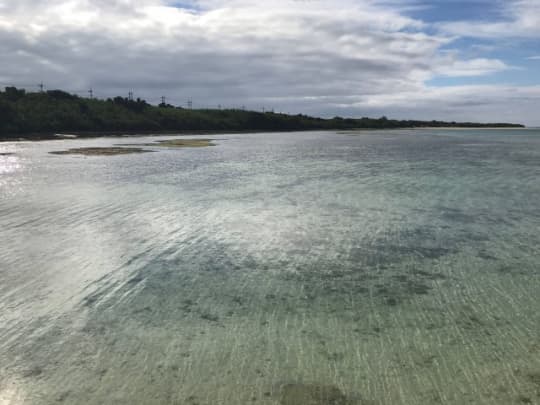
{"x":37,"y":137}
{"x":472,"y":127}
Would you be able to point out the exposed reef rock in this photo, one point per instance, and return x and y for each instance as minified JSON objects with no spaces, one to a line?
{"x":108,"y":151}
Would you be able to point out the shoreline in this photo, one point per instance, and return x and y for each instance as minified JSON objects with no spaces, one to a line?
{"x":74,"y":135}
{"x":37,"y":137}
{"x":468,"y":128}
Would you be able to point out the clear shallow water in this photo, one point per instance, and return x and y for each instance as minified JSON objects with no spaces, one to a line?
{"x":399,"y":267}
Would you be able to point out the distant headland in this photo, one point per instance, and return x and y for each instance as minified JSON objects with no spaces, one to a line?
{"x":42,"y":115}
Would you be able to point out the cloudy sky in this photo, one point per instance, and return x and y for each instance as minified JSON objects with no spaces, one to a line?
{"x":473,"y":60}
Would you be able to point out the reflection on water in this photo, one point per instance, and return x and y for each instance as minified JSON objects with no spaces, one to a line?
{"x":316,"y":268}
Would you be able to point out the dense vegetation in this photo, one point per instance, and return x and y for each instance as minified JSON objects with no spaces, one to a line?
{"x":36,"y":114}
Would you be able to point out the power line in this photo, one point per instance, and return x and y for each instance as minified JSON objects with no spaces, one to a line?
{"x":19,"y":86}
{"x":91,"y":94}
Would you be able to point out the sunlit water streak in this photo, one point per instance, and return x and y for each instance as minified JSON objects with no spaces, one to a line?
{"x":401,"y":267}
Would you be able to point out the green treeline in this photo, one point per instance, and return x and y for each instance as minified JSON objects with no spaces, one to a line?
{"x":54,"y":111}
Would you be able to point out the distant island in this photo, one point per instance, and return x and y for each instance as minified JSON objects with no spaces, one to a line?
{"x":42,"y":115}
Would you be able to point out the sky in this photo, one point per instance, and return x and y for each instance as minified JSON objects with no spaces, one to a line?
{"x":476,"y":60}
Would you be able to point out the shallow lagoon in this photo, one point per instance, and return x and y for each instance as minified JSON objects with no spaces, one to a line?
{"x":397,"y":267}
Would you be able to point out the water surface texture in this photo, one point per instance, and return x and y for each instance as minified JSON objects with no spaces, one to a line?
{"x":381,"y":268}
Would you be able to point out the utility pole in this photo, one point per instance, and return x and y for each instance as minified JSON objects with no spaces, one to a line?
{"x":190,"y":104}
{"x":130,"y":96}
{"x":91,"y":93}
{"x":40,"y":85}
{"x":163,"y":100}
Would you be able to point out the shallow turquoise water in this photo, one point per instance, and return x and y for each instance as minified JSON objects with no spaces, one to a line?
{"x":398,"y":267}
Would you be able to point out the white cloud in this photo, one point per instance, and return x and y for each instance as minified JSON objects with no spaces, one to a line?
{"x":473,"y":67}
{"x":490,"y":103}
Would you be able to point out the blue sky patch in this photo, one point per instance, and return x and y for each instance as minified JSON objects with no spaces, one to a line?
{"x":458,"y":10}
